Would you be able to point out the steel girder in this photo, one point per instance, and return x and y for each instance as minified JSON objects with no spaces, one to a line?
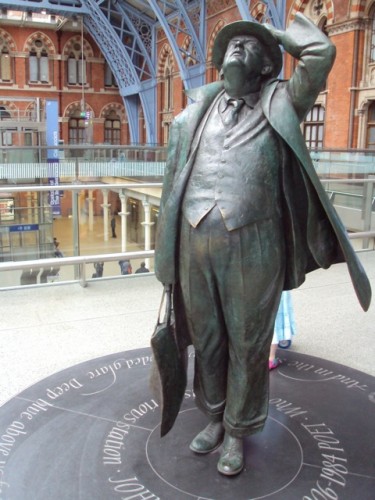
{"x":177,"y":22}
{"x":275,"y":11}
{"x":59,"y":7}
{"x":128,"y":58}
{"x":126,"y":34}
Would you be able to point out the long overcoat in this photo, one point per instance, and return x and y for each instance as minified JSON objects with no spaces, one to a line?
{"x":314,"y":234}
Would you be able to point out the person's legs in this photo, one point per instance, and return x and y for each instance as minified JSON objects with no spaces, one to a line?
{"x":231,"y":284}
{"x":204,"y":319}
{"x":250,"y":286}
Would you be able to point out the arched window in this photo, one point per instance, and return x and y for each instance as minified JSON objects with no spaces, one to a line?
{"x":313,"y":127}
{"x":372,"y":36}
{"x":168,"y":89}
{"x":109,"y":79}
{"x":77,"y":128}
{"x":112,"y":128}
{"x":370,"y":140}
{"x":5,"y":65}
{"x":38,"y":63}
{"x":76,"y":65}
{"x":5,"y":135}
{"x":167,"y":82}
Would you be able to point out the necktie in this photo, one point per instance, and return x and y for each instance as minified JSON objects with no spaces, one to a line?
{"x":230,"y":117}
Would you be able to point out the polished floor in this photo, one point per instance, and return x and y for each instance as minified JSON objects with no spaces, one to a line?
{"x":47,"y":329}
{"x":74,"y":390}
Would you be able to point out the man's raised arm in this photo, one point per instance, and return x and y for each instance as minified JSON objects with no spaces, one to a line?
{"x":315,"y":53}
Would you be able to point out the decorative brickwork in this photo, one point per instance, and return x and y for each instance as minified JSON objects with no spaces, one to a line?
{"x":7,"y":40}
{"x":216,"y":6}
{"x":113,"y":106}
{"x":313,"y":9}
{"x":74,"y":45}
{"x":39,"y":35}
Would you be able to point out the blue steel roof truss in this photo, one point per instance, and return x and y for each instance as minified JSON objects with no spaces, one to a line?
{"x":275,"y":11}
{"x":125,"y":34}
{"x":175,"y":20}
{"x":60,"y":7}
{"x":135,"y":33}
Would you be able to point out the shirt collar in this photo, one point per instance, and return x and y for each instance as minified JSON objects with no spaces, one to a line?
{"x":250,"y":100}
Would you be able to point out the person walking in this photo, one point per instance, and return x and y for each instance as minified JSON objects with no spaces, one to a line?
{"x":113,"y":226}
{"x":142,"y":269}
{"x":125,"y":267}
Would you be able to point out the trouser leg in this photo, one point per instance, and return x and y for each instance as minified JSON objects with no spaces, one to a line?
{"x":231,"y":284}
{"x":205,"y":321}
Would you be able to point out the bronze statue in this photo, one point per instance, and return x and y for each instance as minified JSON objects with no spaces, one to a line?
{"x":243,"y":216}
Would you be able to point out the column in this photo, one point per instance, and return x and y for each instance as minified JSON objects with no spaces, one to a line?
{"x":106,"y":206}
{"x":147,"y":225}
{"x":123,"y":214}
{"x":91,"y":200}
{"x":30,"y":207}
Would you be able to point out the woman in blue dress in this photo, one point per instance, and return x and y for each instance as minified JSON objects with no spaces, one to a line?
{"x":285,"y":328}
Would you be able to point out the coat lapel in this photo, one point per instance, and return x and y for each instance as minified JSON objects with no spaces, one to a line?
{"x":168,"y":225}
{"x":280,"y":114}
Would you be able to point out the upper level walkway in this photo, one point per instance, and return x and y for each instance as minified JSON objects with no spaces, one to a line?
{"x":46,"y":329}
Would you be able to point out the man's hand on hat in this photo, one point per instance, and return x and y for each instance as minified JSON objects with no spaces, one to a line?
{"x":284,"y":38}
{"x":276,"y":33}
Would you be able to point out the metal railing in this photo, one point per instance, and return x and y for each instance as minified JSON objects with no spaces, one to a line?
{"x":364,"y":215}
{"x":81,"y":169}
{"x":79,"y":262}
{"x":84,"y":152}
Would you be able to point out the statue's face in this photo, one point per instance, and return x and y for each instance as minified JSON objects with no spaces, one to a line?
{"x":245,"y":52}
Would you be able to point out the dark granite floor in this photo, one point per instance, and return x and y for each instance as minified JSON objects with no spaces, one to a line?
{"x":91,"y":432}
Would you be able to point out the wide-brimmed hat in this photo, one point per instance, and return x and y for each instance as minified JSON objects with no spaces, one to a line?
{"x":251,"y":29}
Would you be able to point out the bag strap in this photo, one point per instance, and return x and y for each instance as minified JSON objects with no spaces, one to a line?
{"x":167,"y":296}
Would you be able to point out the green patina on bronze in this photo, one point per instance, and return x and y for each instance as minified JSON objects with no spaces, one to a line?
{"x":313,"y":235}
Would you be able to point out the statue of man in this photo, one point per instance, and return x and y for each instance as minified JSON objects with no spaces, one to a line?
{"x":243,"y":216}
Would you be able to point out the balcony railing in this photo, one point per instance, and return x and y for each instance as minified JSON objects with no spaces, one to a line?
{"x":349,"y":184}
{"x":82,"y":169}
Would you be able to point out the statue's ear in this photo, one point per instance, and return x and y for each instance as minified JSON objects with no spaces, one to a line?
{"x":221,"y":74}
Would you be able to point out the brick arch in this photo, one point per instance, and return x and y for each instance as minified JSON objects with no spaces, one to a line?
{"x":9,"y":40}
{"x":113,"y":106}
{"x":186,"y":45}
{"x":48,"y":44}
{"x":31,"y":108}
{"x":210,"y":45}
{"x":358,"y":7}
{"x":68,"y":47}
{"x":165,"y":52}
{"x":300,"y":6}
{"x":259,"y":10}
{"x":76,"y":106}
{"x":9,"y":106}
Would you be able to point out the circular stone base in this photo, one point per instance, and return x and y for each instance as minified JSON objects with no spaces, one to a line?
{"x":92,"y":432}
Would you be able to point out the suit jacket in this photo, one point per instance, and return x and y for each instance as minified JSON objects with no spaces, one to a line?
{"x":315,"y":235}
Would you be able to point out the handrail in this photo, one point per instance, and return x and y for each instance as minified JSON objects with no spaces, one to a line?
{"x":78,"y":186}
{"x":361,"y":234}
{"x":80,"y":260}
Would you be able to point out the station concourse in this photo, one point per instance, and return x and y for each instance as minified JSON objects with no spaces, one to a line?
{"x":78,"y":415}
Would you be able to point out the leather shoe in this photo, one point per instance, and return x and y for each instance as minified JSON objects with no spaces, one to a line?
{"x":231,"y":460}
{"x":209,"y":439}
